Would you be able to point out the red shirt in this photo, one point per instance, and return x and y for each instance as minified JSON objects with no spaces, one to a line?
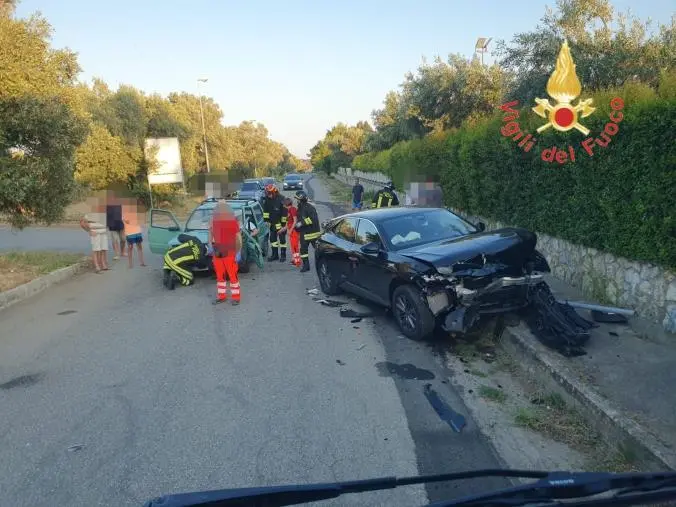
{"x":225,"y":235}
{"x":293,"y":213}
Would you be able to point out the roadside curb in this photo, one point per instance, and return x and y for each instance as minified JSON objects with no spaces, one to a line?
{"x":616,"y":428}
{"x":27,"y":290}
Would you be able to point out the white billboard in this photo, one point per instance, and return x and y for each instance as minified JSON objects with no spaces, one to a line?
{"x":167,"y":153}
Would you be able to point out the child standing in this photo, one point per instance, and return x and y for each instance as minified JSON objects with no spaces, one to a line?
{"x":294,"y":238}
{"x":132,"y":228}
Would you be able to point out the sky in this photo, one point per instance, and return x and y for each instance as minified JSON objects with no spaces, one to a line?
{"x":297,"y":66}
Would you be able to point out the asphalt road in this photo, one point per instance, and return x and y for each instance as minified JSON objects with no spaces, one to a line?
{"x":161,"y":392}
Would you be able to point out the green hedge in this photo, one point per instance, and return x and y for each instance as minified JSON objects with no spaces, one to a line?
{"x":622,"y":200}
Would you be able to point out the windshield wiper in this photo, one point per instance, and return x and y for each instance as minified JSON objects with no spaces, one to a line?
{"x":646,"y":487}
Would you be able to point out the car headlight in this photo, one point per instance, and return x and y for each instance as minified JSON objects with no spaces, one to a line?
{"x":437,"y":302}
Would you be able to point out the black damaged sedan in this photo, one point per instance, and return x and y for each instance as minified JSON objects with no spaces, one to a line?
{"x":429,"y":266}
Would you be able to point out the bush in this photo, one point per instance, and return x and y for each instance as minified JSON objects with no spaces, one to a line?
{"x":621,"y":200}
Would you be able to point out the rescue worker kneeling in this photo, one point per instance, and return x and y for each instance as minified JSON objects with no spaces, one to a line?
{"x":181,"y":259}
{"x":308,"y":227}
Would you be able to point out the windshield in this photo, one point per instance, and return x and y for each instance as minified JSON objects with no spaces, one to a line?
{"x":250,"y":185}
{"x":293,"y":177}
{"x":200,"y":218}
{"x":424,"y":227}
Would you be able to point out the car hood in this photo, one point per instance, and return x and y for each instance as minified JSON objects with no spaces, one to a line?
{"x":511,"y":246}
{"x":203,"y":236}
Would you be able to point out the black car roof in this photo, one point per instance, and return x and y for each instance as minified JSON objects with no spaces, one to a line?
{"x":380,"y":214}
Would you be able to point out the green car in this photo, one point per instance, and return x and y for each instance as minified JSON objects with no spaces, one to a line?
{"x":164,"y":230}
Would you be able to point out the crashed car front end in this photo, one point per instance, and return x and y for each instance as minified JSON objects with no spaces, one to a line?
{"x":462,"y":291}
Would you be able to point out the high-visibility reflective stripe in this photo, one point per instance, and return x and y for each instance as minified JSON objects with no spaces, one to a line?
{"x":275,"y":244}
{"x":234,"y":291}
{"x":234,"y":285}
{"x":181,"y":271}
{"x":307,"y":220}
{"x":284,"y":220}
{"x":266,"y":215}
{"x":312,"y":235}
{"x":304,"y":256}
{"x":278,"y":226}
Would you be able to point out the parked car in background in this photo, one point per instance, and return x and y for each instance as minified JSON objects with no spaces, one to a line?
{"x":429,"y":266}
{"x":269,"y":180}
{"x":164,"y":229}
{"x":252,"y":189}
{"x":293,"y":182}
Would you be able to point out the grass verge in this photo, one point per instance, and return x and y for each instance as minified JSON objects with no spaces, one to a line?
{"x":340,"y":192}
{"x":22,"y":267}
{"x":551,"y":416}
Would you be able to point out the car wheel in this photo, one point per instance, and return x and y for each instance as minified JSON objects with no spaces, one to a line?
{"x":327,"y":278}
{"x":411,"y":313}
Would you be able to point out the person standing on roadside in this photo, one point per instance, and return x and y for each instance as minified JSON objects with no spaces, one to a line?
{"x":225,"y":240}
{"x":133,"y":233}
{"x":385,"y":197}
{"x":308,"y":227}
{"x":94,"y":223}
{"x":357,"y":195}
{"x":115,"y":225}
{"x":294,"y":238}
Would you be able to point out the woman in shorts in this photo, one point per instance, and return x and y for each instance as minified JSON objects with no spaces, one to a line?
{"x":133,"y":234}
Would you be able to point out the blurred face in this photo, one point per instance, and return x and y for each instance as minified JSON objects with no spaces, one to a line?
{"x":223,"y":212}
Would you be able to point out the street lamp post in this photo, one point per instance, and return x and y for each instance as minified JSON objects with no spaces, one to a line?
{"x":204,"y":130}
{"x":482,"y":47}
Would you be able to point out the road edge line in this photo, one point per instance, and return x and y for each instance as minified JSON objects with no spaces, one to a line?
{"x":18,"y":294}
{"x":616,"y":428}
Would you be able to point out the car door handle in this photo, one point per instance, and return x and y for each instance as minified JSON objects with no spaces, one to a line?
{"x":352,"y":258}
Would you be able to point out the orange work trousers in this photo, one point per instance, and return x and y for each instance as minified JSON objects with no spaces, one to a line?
{"x":294,"y":239}
{"x":222,"y":266}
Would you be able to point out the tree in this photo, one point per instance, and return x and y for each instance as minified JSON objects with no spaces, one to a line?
{"x":103,"y":159}
{"x":608,"y":48}
{"x":340,"y":145}
{"x":29,"y":66}
{"x":38,"y":138}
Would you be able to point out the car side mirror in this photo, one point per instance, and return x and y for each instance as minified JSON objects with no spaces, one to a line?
{"x":173,"y":228}
{"x":481,"y":226}
{"x":371,"y":248}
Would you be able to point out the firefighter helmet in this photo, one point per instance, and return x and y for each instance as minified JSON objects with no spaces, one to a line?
{"x":301,"y":195}
{"x":271,"y":189}
{"x":389,"y":185}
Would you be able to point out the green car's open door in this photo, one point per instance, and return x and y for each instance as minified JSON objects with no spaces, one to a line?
{"x":163,"y":228}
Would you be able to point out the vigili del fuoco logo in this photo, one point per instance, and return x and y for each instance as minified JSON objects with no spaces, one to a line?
{"x":563,"y":87}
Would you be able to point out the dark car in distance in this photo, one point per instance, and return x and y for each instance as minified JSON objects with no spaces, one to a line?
{"x":429,"y":266}
{"x":251,"y":189}
{"x":293,"y":182}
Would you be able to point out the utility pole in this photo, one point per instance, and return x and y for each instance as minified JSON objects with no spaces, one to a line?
{"x":204,"y":131}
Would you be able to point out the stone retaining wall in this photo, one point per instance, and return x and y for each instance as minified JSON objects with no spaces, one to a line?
{"x":648,"y":289}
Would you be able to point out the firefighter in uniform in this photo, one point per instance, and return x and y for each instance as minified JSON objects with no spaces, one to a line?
{"x":275,"y":214}
{"x":307,"y":225}
{"x":294,"y":238}
{"x":385,"y":197}
{"x":179,"y":261}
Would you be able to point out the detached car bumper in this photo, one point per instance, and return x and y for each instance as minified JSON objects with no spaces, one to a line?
{"x":459,"y":308}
